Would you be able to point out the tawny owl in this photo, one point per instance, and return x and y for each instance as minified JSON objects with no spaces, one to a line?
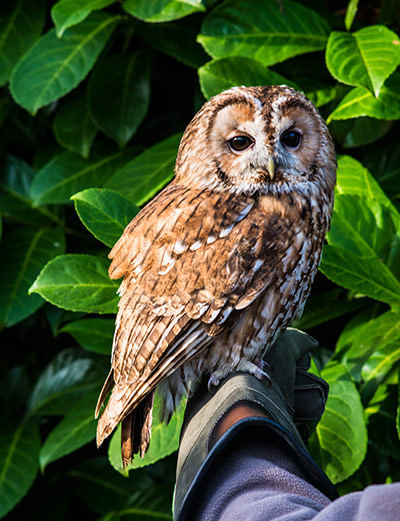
{"x":221,"y":261}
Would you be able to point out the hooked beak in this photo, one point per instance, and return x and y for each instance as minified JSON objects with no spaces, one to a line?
{"x":271,"y":168}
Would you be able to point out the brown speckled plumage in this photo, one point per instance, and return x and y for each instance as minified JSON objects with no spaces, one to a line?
{"x":222,"y":260}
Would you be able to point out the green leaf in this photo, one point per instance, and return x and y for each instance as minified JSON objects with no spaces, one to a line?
{"x":105,"y":213}
{"x":140,"y":179}
{"x":94,"y":334}
{"x":19,"y":452}
{"x":327,"y":306}
{"x":360,"y":102}
{"x":15,"y":201}
{"x":381,"y":414}
{"x":384,"y":162}
{"x":361,"y":239}
{"x":66,"y":13}
{"x":358,"y":343}
{"x":67,"y":173}
{"x":351,"y":12}
{"x":119,"y":94}
{"x":79,"y":283}
{"x":164,"y":440}
{"x":177,"y":40}
{"x":362,"y":131}
{"x":369,"y":227}
{"x":103,"y":490}
{"x":219,"y":75}
{"x":21,"y":23}
{"x":269,"y":32}
{"x":77,"y":428}
{"x":64,"y":380}
{"x":22,"y":254}
{"x":73,"y":126}
{"x":365,"y":58}
{"x":378,"y":368}
{"x":350,"y":270}
{"x":162,"y":10}
{"x":354,"y":179}
{"x":339,"y":443}
{"x":53,"y":66}
{"x":318,"y":92}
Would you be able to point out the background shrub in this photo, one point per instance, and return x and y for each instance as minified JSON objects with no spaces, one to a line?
{"x":95,"y":96}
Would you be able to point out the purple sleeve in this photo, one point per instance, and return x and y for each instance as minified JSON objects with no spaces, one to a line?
{"x":257,"y":480}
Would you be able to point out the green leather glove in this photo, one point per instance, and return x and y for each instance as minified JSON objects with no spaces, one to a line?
{"x":291,"y":398}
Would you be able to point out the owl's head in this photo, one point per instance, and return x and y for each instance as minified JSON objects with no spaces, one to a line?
{"x":257,"y":139}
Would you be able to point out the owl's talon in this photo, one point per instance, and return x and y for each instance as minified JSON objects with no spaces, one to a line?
{"x":260,"y":374}
{"x":268,"y":371}
{"x":259,"y":368}
{"x":265,"y":368}
{"x":263,"y":375}
{"x":213,"y":381}
{"x":268,"y":376}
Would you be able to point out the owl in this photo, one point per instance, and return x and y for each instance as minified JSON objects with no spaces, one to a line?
{"x":219,"y":263}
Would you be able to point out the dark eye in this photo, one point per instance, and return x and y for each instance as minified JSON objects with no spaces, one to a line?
{"x":291,"y":138}
{"x":240,"y":143}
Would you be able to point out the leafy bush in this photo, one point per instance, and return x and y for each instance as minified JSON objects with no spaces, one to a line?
{"x":84,"y":145}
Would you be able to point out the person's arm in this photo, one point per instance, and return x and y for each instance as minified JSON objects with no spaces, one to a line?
{"x":256,"y":477}
{"x":242,"y":455}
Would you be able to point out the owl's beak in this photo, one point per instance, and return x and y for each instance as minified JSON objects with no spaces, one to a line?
{"x":271,"y":167}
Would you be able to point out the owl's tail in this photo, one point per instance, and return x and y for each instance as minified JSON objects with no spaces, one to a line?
{"x":136,"y":429}
{"x":135,"y":424}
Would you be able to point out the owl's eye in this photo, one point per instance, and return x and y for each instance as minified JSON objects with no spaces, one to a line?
{"x":291,"y":138}
{"x":240,"y":143}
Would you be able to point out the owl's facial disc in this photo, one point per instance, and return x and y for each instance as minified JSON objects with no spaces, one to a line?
{"x":257,"y":139}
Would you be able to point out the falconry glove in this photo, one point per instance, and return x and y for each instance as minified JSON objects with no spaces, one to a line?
{"x":287,"y":402}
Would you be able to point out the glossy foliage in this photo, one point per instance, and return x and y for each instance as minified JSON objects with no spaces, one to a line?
{"x":95,"y":96}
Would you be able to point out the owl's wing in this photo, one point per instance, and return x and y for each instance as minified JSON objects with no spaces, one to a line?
{"x":190,"y":260}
